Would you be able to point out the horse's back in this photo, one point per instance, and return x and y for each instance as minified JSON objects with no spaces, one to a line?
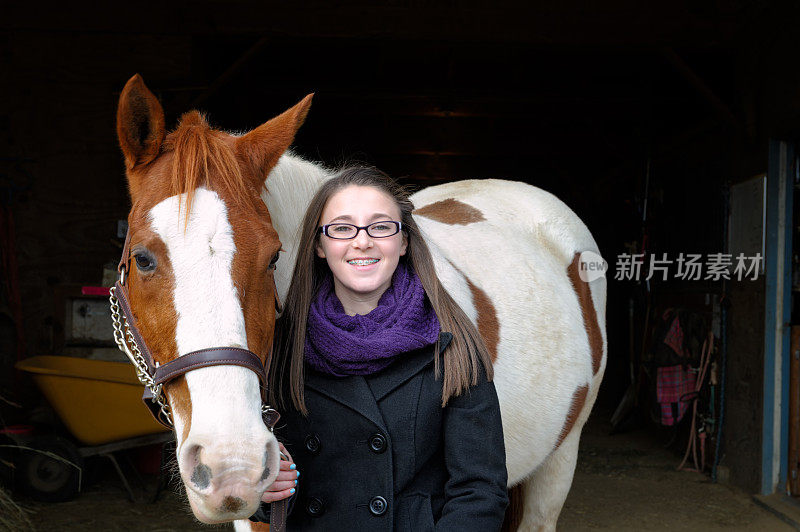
{"x":504,"y":251}
{"x":513,"y":206}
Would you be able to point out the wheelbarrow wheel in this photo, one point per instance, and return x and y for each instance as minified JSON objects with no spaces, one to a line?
{"x":51,"y":470}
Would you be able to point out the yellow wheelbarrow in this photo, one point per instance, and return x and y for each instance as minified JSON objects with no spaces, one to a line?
{"x":100,"y":404}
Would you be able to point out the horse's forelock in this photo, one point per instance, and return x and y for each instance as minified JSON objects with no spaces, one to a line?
{"x":202,"y":156}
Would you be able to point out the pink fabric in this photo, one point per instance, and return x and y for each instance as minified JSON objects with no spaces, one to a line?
{"x":674,"y":337}
{"x":94,"y":291}
{"x":672,"y":383}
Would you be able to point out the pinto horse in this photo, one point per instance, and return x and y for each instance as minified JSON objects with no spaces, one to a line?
{"x":514,"y":257}
{"x":202,"y":251}
{"x":518,"y":261}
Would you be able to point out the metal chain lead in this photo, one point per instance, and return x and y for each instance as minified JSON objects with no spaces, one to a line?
{"x":127,"y":344}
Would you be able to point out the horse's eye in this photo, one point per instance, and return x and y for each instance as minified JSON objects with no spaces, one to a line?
{"x":144,"y":262}
{"x":274,"y":261}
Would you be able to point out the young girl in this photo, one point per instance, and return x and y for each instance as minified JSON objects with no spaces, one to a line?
{"x":384,"y":385}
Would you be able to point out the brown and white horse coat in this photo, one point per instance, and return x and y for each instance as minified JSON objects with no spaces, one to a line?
{"x":509,"y":254}
{"x":202,"y":244}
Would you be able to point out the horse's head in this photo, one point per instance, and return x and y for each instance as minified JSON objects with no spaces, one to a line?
{"x":202,"y":249}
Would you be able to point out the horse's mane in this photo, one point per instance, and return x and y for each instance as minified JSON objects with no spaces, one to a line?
{"x":202,"y":158}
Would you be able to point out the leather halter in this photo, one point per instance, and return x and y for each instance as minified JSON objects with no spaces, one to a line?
{"x":155,"y":376}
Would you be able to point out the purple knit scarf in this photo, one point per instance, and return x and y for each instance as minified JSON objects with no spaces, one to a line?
{"x":341,"y":345}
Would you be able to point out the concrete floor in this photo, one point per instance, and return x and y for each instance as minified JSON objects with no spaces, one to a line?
{"x":623,"y":482}
{"x":629,"y":482}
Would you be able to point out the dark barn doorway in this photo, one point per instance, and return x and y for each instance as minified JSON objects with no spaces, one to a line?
{"x":638,"y":118}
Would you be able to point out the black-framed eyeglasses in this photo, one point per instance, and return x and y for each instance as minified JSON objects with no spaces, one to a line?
{"x":342,"y":231}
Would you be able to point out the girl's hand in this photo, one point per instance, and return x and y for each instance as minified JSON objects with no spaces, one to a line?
{"x":286,"y":483}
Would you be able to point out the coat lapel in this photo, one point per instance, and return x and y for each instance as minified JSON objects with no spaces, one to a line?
{"x":351,"y":391}
{"x":401,"y":371}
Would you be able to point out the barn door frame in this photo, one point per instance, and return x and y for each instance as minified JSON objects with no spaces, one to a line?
{"x":781,"y":170}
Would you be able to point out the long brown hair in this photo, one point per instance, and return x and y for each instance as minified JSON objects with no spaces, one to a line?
{"x":460,"y":368}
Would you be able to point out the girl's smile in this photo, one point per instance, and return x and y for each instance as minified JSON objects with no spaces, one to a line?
{"x":363,"y":263}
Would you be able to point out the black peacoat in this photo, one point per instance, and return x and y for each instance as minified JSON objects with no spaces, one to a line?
{"x":380,"y":453}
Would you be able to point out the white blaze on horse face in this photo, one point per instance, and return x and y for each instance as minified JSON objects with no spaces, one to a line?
{"x":226,"y":419}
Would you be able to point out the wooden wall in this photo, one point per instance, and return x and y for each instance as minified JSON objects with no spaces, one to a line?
{"x":66,"y":168}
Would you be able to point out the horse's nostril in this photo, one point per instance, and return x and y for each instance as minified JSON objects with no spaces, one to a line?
{"x":194,"y":454}
{"x":266,"y":472}
{"x":201,"y":476}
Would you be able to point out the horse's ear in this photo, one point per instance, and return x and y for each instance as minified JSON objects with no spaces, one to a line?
{"x":264,"y":145}
{"x":140,"y":123}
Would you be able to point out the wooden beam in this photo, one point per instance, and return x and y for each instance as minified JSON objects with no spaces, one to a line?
{"x":612,"y":22}
{"x":722,"y":110}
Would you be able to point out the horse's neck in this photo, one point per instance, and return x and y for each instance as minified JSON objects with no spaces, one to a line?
{"x":289,"y":189}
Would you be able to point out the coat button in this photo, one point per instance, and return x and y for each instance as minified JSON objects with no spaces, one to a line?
{"x":315,"y":507}
{"x":377,"y":443}
{"x":313,"y":444}
{"x":377,"y":505}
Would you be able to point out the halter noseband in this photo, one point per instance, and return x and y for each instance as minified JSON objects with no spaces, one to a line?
{"x":154,"y":375}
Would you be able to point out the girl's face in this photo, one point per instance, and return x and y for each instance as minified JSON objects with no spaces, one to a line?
{"x":363,"y":266}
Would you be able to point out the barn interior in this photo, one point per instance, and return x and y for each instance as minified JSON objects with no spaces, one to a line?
{"x":642,"y":119}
